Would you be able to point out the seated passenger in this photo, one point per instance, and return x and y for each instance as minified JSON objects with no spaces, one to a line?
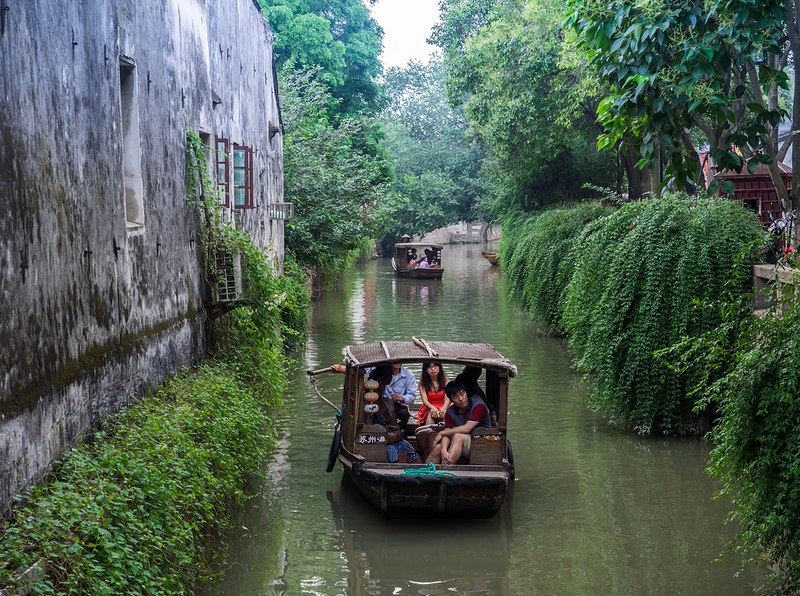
{"x":432,"y":382}
{"x":466,"y":413}
{"x":411,"y":258}
{"x":423,"y":263}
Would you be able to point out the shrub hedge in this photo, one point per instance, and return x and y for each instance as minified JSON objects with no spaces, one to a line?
{"x":638,"y":277}
{"x":623,"y":284}
{"x":751,"y":369}
{"x":131,"y":511}
{"x":539,"y":259}
{"x":659,"y":314}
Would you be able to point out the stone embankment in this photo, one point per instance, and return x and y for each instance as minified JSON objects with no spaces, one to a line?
{"x":769,"y":282}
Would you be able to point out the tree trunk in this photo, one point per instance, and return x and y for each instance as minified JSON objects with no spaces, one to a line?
{"x":640,"y":181}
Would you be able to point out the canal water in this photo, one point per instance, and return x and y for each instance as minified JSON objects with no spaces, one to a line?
{"x":593,"y":510}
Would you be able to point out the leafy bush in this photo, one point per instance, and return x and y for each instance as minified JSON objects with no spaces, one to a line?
{"x":334,"y":174}
{"x":751,"y":374}
{"x":638,"y":274}
{"x":131,"y":511}
{"x":539,"y":257}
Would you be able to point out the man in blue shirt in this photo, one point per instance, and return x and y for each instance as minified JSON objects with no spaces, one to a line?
{"x":402,"y":390}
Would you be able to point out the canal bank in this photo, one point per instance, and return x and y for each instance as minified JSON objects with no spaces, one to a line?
{"x":593,"y":510}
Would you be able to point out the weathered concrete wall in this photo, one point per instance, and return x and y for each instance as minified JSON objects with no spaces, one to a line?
{"x":95,"y":310}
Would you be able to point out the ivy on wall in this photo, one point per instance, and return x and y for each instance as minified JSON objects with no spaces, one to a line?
{"x":267,"y":294}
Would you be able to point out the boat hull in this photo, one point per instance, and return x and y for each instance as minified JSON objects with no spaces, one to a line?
{"x":491,"y":257}
{"x":433,"y":273}
{"x":472,"y":492}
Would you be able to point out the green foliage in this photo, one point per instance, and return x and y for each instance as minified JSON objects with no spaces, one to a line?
{"x":436,"y":165}
{"x":750,"y":373}
{"x":538,"y":258}
{"x":525,"y":97}
{"x":332,"y":176}
{"x":277,"y":304}
{"x":337,"y":37}
{"x":707,"y":65}
{"x":637,"y":276}
{"x":134,"y":510}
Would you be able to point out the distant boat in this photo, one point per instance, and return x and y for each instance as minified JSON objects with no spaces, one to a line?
{"x":407,"y":255}
{"x":475,"y":486}
{"x":490,"y":256}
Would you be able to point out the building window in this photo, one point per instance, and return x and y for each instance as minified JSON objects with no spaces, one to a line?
{"x":131,"y":145}
{"x":242,"y":177}
{"x":223,"y":171}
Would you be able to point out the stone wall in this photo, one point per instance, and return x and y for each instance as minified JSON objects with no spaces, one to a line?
{"x":769,"y":281}
{"x":463,"y":232}
{"x":100,"y":277}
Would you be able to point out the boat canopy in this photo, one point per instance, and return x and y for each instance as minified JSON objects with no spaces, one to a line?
{"x":473,"y":354}
{"x":418,"y":245}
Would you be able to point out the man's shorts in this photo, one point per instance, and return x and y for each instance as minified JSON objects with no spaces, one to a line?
{"x":467,"y":445}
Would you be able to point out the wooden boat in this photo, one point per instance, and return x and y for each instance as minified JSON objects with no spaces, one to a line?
{"x":475,"y":486}
{"x":404,"y":267}
{"x":490,"y":256}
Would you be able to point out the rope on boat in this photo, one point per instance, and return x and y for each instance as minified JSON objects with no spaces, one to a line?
{"x":428,"y":470}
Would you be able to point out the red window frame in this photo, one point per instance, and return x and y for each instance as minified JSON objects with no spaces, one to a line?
{"x":223,"y":159}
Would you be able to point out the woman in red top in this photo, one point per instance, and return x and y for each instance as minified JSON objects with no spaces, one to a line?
{"x":431,"y":390}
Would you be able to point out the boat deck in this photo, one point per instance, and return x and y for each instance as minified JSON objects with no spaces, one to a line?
{"x":461,"y":471}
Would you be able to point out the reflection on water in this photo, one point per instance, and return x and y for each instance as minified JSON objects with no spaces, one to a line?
{"x":411,"y":292}
{"x":410,"y":557}
{"x":594,"y":511}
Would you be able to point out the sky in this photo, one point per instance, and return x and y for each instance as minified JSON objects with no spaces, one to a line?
{"x":406,"y":25}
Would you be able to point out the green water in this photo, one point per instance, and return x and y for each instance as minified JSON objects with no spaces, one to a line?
{"x":593,"y":510}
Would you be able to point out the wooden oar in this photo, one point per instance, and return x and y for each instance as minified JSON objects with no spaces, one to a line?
{"x":319,"y":371}
{"x":316,"y":389}
{"x":424,"y":345}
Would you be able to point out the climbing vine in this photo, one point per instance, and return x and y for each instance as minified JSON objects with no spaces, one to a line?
{"x":134,"y":509}
{"x":638,"y":276}
{"x":750,"y":374}
{"x":267,"y":293}
{"x":539,"y":256}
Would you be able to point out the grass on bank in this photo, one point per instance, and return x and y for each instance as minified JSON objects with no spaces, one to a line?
{"x":140,"y":507}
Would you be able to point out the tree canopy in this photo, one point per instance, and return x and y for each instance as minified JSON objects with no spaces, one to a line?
{"x":337,"y":186}
{"x":524,"y":97}
{"x":436,"y":165}
{"x":709,"y":66}
{"x":337,"y":36}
